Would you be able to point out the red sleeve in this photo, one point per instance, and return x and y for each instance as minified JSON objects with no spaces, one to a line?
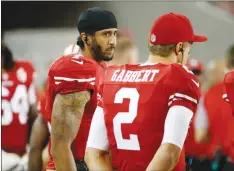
{"x":229,"y":89}
{"x":186,"y":90}
{"x":69,"y":74}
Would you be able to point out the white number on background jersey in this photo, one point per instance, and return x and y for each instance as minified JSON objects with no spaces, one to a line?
{"x":126,"y":118}
{"x":18,"y":104}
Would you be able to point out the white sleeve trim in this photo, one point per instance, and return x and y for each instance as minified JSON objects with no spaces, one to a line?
{"x":225,"y":97}
{"x":179,"y":96}
{"x":97,"y":133}
{"x":176,"y":125}
{"x":201,"y":118}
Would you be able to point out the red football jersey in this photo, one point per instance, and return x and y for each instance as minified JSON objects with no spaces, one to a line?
{"x":221,"y":121}
{"x":229,"y":88}
{"x":73,"y":73}
{"x":18,"y":93}
{"x":136,"y":100}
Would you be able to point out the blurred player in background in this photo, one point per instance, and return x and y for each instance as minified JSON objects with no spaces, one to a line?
{"x":148,"y":108}
{"x":18,"y":109}
{"x":216,"y":117}
{"x":38,"y":154}
{"x":197,"y":151}
{"x":229,"y":96}
{"x":71,"y":95}
{"x":229,"y":78}
{"x":71,"y":49}
{"x":126,"y":51}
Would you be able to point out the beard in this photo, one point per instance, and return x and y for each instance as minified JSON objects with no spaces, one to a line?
{"x":98,"y":53}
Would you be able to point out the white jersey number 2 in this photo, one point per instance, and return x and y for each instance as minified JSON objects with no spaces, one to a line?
{"x":18,"y":104}
{"x":126,"y":118}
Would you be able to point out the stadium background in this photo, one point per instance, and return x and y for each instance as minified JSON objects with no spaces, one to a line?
{"x":40,"y":31}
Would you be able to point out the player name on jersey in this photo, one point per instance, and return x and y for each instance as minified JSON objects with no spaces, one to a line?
{"x":147,"y":75}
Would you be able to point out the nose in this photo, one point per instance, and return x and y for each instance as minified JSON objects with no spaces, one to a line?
{"x":113,"y":40}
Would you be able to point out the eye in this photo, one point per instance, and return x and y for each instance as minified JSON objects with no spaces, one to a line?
{"x":107,"y":34}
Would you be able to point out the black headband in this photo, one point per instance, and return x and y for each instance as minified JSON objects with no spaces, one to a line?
{"x":96,"y":19}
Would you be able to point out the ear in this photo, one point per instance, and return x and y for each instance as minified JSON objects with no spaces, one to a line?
{"x":83,"y":36}
{"x":179,"y":48}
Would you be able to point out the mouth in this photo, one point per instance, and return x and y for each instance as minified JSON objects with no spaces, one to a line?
{"x":110,"y":49}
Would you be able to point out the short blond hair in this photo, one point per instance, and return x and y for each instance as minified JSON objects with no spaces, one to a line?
{"x":161,"y":50}
{"x":124,"y":43}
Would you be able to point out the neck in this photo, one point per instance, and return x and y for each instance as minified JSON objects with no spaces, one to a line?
{"x":166,"y":60}
{"x":86,"y":52}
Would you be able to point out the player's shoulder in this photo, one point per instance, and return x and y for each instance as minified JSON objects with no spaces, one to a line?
{"x":181,"y":75}
{"x":229,"y":77}
{"x":182,"y":72}
{"x":73,"y":63}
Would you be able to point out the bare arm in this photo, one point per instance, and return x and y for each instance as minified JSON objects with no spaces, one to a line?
{"x":38,"y":141}
{"x":202,"y":135}
{"x":32,"y":116}
{"x":96,"y":155}
{"x":201,"y":123}
{"x":66,"y":118}
{"x":97,"y":160}
{"x":175,"y":131}
{"x":166,"y":158}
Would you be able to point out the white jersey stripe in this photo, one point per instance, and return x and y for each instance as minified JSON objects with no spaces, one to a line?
{"x":224,"y":96}
{"x":75,"y":79}
{"x":183,"y":96}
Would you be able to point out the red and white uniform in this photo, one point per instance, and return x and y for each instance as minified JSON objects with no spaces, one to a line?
{"x":139,"y":110}
{"x":221,"y":121}
{"x":68,"y":74}
{"x":18,"y":93}
{"x":229,"y":89}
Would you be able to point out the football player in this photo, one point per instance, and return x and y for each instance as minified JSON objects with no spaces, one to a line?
{"x":18,"y":108}
{"x":145,"y":110}
{"x":71,"y":93}
{"x":229,"y":78}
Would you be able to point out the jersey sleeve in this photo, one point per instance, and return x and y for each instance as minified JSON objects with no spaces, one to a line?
{"x":186,"y":90}
{"x":67,"y":75}
{"x":229,"y":89}
{"x":74,"y":75}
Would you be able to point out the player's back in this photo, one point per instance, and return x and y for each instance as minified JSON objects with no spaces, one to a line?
{"x":136,"y":99}
{"x":18,"y":94}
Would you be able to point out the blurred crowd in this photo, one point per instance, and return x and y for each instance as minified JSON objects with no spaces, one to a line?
{"x":210,"y":142}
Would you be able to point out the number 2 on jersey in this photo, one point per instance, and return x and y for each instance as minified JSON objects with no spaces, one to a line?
{"x":126,"y":118}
